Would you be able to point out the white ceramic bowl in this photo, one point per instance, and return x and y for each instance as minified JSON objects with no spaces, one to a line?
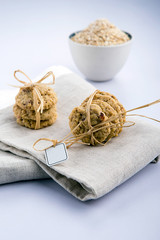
{"x":99,"y":63}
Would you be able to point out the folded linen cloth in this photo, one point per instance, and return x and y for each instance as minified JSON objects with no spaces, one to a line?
{"x":90,"y":172}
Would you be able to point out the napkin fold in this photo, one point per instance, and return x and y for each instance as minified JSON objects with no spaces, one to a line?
{"x":90,"y":172}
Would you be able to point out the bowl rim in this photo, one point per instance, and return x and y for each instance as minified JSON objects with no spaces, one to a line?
{"x":94,"y":46}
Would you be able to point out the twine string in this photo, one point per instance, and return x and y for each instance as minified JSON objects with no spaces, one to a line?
{"x":70,"y":139}
{"x":38,"y":102}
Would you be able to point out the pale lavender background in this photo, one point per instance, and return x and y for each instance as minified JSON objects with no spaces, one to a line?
{"x":33,"y":36}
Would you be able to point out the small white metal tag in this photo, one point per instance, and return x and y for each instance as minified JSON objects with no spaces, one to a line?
{"x":57,"y":154}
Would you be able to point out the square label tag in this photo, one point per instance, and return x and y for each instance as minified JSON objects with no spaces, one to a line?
{"x":57,"y":154}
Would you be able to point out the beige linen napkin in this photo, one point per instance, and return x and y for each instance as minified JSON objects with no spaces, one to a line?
{"x":90,"y":172}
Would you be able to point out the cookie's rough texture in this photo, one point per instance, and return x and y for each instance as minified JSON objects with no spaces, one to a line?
{"x":31,"y":123}
{"x":31,"y":114}
{"x":24,"y":98}
{"x":79,"y":115}
{"x":103,"y":106}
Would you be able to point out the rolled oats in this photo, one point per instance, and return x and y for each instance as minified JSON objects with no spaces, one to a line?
{"x":101,"y":33}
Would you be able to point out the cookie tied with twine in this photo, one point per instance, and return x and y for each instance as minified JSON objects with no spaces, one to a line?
{"x":35,"y":105}
{"x":94,"y":113}
{"x":97,"y":120}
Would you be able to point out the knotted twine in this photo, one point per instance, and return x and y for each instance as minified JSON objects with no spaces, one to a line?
{"x":37,"y":97}
{"x":69,"y":139}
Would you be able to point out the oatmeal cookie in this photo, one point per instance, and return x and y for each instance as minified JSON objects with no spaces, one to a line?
{"x":113,"y":102}
{"x":32,"y":123}
{"x":78,"y":115}
{"x":31,"y":114}
{"x":104,"y":106}
{"x":24,"y":98}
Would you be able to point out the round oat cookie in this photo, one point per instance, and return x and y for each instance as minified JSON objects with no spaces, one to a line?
{"x":78,"y":115}
{"x":104,"y":106}
{"x":32,"y":123}
{"x":24,"y":98}
{"x":112,"y":101}
{"x":109,"y":112}
{"x":31,"y":115}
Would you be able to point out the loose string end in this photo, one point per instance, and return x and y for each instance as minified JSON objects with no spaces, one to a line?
{"x":53,"y":141}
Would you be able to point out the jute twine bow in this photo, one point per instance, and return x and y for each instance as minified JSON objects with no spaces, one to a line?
{"x":38,"y":102}
{"x":69,"y":139}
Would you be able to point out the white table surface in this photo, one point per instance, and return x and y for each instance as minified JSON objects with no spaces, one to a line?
{"x":34,"y":37}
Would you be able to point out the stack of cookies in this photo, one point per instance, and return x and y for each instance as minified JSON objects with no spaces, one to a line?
{"x":24,"y":108}
{"x":107,"y":116}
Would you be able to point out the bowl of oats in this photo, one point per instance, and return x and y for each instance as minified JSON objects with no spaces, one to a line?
{"x":101,"y":50}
